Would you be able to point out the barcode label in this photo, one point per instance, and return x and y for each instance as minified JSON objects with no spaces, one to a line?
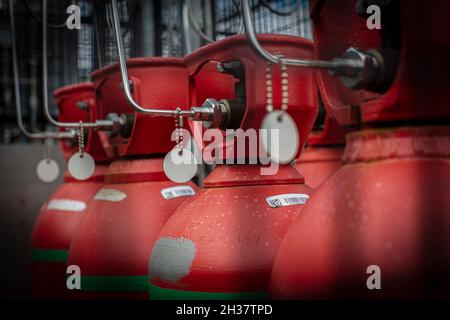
{"x":282,"y":200}
{"x":112,"y":195}
{"x":66,"y":205}
{"x":178,"y":191}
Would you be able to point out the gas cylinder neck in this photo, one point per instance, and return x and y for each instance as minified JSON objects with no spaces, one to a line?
{"x":136,"y":170}
{"x":250,"y":175}
{"x":403,"y":142}
{"x":97,"y":176}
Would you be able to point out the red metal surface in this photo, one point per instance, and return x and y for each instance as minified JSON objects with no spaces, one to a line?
{"x":67,"y":99}
{"x":317,"y":164}
{"x":115,"y":237}
{"x":235,"y":232}
{"x":323,"y":153}
{"x":250,"y":175}
{"x":387,"y":206}
{"x":159,"y":83}
{"x":231,"y":227}
{"x":54,"y":230}
{"x":302,"y":86}
{"x":422,"y":78}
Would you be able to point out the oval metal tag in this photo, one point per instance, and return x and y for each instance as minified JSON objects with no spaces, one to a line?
{"x":283,"y":149}
{"x":81,"y":166}
{"x":180,"y":166}
{"x":47,"y":170}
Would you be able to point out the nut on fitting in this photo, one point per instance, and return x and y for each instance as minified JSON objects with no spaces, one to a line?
{"x":360,"y":78}
{"x":212,"y":113}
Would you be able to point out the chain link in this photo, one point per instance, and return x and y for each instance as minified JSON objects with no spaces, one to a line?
{"x":269,"y":96}
{"x":179,"y":131}
{"x":47,"y":150}
{"x":284,"y":87}
{"x":81,"y":139}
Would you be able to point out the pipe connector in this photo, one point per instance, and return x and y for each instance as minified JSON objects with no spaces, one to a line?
{"x":368,"y":70}
{"x":213,"y":114}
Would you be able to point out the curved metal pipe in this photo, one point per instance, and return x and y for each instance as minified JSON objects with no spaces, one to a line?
{"x":186,"y":30}
{"x":96,"y":124}
{"x":32,"y":135}
{"x":125,"y":79}
{"x":196,"y":27}
{"x":266,"y":4}
{"x":306,"y":63}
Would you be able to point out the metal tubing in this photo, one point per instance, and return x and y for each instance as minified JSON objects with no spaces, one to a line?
{"x":306,"y":63}
{"x":97,"y":124}
{"x":125,"y":79}
{"x":186,"y":29}
{"x":190,"y":17}
{"x":34,"y":135}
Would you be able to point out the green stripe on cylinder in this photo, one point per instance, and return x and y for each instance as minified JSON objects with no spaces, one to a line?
{"x":158,"y":293}
{"x":114,"y":283}
{"x":49,"y":255}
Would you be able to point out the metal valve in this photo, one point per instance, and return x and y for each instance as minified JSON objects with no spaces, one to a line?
{"x":358,"y":78}
{"x":122,"y":124}
{"x":213,"y":114}
{"x":377,"y":72}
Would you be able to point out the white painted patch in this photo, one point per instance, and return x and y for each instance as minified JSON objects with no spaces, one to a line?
{"x":171,"y":258}
{"x":289,"y":199}
{"x":178,"y":191}
{"x":112,"y":195}
{"x":66,"y":205}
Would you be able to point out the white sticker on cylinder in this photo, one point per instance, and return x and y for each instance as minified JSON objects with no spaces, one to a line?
{"x":66,"y":205}
{"x":112,"y":195}
{"x":178,"y":191}
{"x":171,"y":258}
{"x":290,"y":199}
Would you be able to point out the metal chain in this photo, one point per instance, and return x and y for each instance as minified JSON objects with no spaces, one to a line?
{"x":47,"y":150}
{"x":81,"y":139}
{"x":284,"y":88}
{"x":178,"y":131}
{"x":269,"y":100}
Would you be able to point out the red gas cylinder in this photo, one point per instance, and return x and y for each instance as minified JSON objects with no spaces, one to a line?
{"x":61,"y":214}
{"x":77,"y":103}
{"x":323,"y":153}
{"x":116,"y":235}
{"x":155,"y":82}
{"x":221,"y":243}
{"x":378,"y":228}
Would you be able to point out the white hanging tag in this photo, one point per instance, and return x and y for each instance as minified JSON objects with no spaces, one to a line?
{"x":47,"y":170}
{"x":288,"y":136}
{"x":180,"y":165}
{"x":81,"y":165}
